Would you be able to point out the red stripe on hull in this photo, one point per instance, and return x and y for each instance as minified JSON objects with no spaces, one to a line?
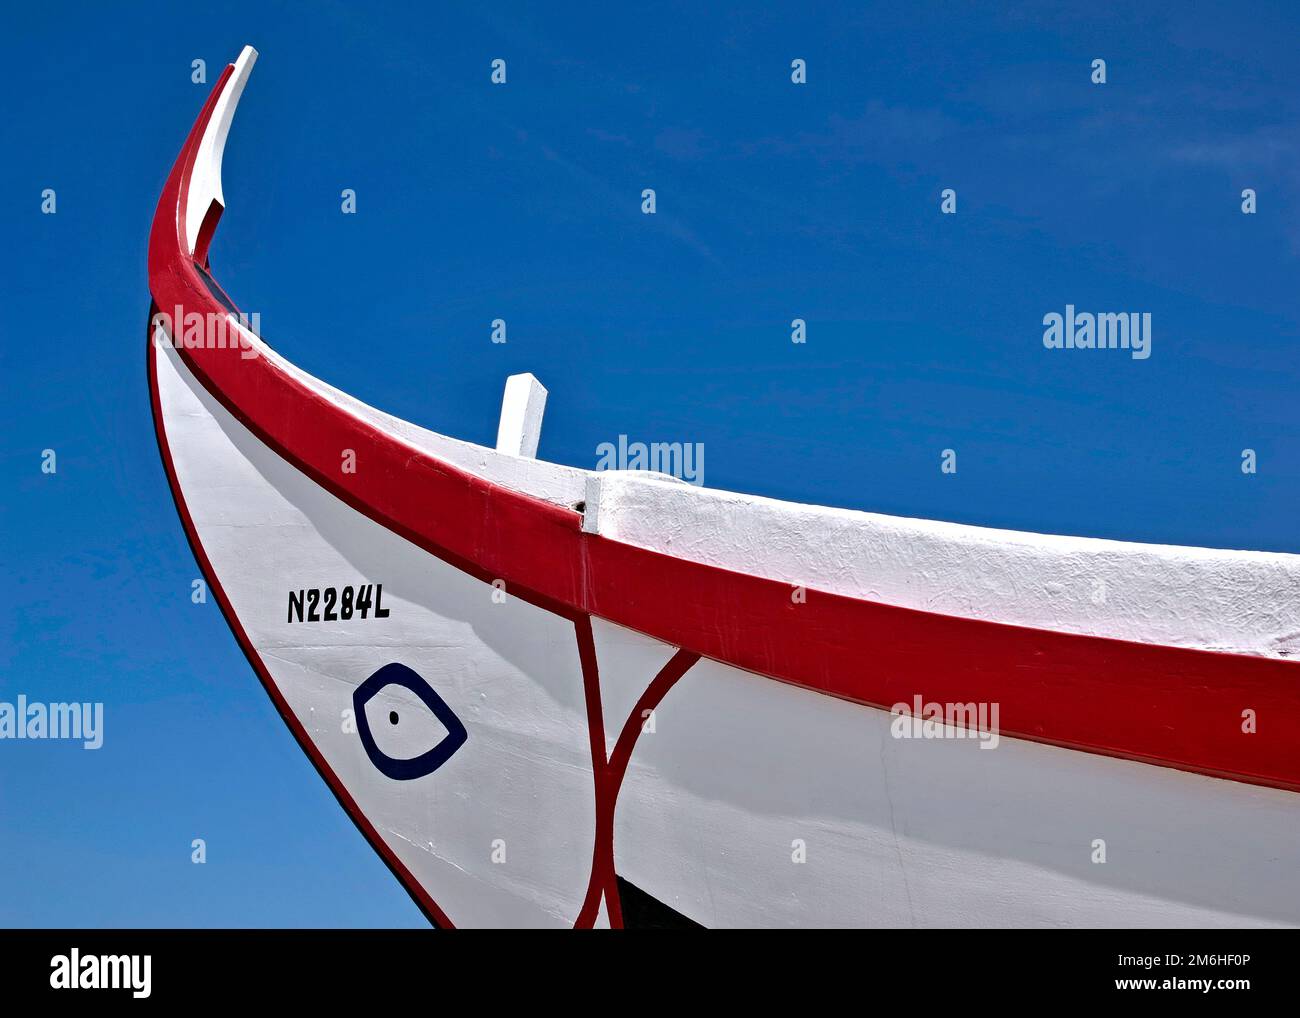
{"x":1162,"y":705}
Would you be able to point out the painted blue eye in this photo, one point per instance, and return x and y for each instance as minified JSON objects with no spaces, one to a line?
{"x":408,"y":726}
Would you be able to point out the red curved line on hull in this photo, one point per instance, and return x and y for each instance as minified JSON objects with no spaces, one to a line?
{"x":1161,"y":705}
{"x":608,"y":772}
{"x":602,"y":879}
{"x":612,"y":775}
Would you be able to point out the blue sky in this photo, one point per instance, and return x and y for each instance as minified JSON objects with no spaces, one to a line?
{"x":522,"y":202}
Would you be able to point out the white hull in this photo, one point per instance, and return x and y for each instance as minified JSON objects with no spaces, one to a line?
{"x":737,"y":770}
{"x":554,"y":697}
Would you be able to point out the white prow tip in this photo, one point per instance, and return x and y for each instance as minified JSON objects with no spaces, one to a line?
{"x":521,"y":416}
{"x":205,"y":180}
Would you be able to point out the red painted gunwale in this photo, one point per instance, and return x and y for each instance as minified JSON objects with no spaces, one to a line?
{"x":1161,"y":705}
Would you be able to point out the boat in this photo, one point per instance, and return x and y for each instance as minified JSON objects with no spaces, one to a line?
{"x":550,"y":696}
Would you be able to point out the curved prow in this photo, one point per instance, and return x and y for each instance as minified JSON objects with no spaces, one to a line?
{"x":206,"y":202}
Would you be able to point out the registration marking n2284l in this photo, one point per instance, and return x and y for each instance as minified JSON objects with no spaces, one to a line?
{"x":337,"y":604}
